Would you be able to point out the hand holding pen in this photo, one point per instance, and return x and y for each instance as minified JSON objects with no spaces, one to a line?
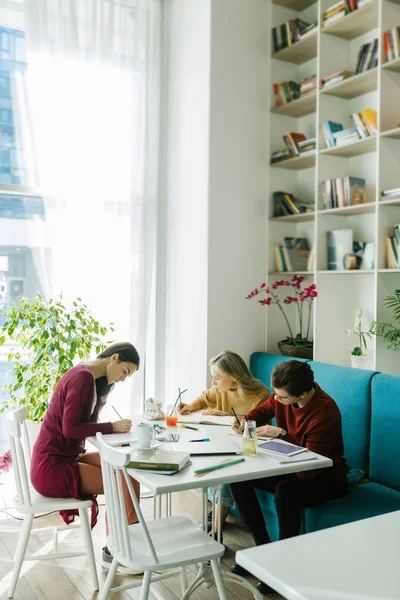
{"x":122,"y":426}
{"x":238,"y":426}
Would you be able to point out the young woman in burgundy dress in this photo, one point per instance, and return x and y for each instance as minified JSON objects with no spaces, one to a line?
{"x":60,"y":466}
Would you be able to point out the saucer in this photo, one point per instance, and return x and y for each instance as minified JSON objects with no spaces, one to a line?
{"x":153,"y":446}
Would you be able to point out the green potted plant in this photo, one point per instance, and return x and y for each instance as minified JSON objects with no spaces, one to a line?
{"x":50,"y":337}
{"x":295,"y":344}
{"x":389,"y":332}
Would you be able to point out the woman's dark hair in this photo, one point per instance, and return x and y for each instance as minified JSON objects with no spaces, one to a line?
{"x":294,"y":376}
{"x":126,"y":353}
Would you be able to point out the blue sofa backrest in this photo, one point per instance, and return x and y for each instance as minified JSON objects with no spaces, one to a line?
{"x":262,"y":365}
{"x":351,"y":390}
{"x":385,"y":431}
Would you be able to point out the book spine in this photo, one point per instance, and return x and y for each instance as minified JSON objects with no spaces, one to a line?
{"x":153,"y":466}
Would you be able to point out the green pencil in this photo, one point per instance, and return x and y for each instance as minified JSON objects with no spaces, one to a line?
{"x":219,"y":466}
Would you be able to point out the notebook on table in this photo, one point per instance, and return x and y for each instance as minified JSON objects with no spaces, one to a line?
{"x":197,"y":418}
{"x":227,"y":446}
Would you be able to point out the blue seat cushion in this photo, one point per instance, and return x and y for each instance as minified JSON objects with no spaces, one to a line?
{"x":385,"y":427}
{"x":362,"y":501}
{"x":351,"y":390}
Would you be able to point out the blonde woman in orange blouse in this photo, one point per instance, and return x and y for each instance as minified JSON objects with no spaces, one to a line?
{"x":233,"y":386}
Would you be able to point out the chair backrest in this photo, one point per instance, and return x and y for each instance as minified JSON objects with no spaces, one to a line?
{"x":113,"y":462}
{"x":15,"y":428}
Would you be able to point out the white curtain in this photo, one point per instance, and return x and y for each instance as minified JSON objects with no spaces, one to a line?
{"x":92,"y":92}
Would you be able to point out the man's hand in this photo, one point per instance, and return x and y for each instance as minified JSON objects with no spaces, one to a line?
{"x":184,"y":409}
{"x":238,"y":428}
{"x":122,"y":426}
{"x":215,"y":412}
{"x":268,"y":431}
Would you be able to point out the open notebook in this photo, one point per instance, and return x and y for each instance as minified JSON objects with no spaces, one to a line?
{"x":198,"y":418}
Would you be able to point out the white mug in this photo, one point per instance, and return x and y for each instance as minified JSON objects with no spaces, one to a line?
{"x":145,"y":435}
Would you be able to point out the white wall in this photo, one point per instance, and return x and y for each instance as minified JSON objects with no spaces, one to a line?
{"x":215,"y":165}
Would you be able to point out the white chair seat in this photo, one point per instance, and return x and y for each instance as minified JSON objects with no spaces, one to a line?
{"x":176,"y":541}
{"x":41,"y":504}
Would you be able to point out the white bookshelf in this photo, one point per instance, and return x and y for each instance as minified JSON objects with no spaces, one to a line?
{"x":376,"y":159}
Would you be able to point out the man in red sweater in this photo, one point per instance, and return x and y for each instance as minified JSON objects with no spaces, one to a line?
{"x":306,"y":416}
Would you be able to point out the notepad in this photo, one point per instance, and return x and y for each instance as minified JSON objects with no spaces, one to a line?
{"x":197,"y":418}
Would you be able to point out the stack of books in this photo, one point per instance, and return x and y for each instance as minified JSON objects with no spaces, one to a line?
{"x":292,"y":141}
{"x":365,"y":125}
{"x":392,"y":249}
{"x":338,"y":11}
{"x":280,"y":155}
{"x":308,"y":85}
{"x":286,"y":204}
{"x":285,"y":92}
{"x":292,"y":255}
{"x":391,"y":192}
{"x":297,"y":144}
{"x":309,"y":30}
{"x":335,"y":77}
{"x":160,"y":462}
{"x":288,"y":33}
{"x":367,"y":57}
{"x":345,"y":191}
{"x":307,"y":145}
{"x":391,"y":43}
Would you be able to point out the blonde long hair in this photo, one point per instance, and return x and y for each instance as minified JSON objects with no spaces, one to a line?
{"x":233,"y":365}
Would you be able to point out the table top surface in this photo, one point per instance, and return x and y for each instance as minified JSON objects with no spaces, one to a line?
{"x":357,"y":561}
{"x":253,"y":467}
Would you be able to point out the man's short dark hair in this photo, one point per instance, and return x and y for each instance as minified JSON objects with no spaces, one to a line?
{"x":294,"y":376}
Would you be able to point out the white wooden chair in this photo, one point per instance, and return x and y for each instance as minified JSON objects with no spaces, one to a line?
{"x":159,"y":544}
{"x":29,"y":503}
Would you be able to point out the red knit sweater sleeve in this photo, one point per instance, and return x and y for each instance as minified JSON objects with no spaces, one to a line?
{"x":262,"y":413}
{"x":78,"y":401}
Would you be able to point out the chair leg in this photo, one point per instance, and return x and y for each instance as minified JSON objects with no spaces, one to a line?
{"x":145,"y":589}
{"x":20,"y":552}
{"x":87,"y":539}
{"x":105,"y":592}
{"x":218,"y":579}
{"x":184,"y":579}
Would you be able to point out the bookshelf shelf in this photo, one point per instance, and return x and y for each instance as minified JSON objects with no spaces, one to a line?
{"x":290,"y":273}
{"x":392,"y":133}
{"x":306,"y":161}
{"x":356,"y":23}
{"x":357,"y":209}
{"x":298,"y":108}
{"x":393,"y":201}
{"x":299,"y":52}
{"x":372,"y":164}
{"x":393,"y":65}
{"x":349,"y":272}
{"x":308,"y":216}
{"x":360,"y":147}
{"x":354,"y":86}
{"x":294,"y":4}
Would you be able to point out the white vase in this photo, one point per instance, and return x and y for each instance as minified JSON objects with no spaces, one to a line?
{"x":359,"y":362}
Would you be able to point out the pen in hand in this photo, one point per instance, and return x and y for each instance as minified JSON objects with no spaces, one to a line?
{"x":117,"y":413}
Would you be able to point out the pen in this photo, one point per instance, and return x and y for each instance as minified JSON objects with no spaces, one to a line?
{"x":235,"y":413}
{"x":219,"y":466}
{"x":203,"y":440}
{"x":189,"y":427}
{"x":117,"y":413}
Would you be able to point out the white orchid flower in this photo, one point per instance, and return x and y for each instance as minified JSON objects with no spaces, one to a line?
{"x":348,"y":332}
{"x":357,"y":319}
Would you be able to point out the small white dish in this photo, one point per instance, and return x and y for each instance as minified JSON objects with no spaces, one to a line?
{"x":153,"y":446}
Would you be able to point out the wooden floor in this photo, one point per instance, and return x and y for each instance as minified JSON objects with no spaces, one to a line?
{"x":69,"y":579}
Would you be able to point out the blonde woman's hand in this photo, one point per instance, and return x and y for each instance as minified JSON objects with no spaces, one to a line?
{"x":238,"y":428}
{"x":184,"y":409}
{"x":215,"y":412}
{"x":122,"y":426}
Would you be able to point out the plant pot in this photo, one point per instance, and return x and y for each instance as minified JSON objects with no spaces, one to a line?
{"x":295,"y":351}
{"x":359,"y":362}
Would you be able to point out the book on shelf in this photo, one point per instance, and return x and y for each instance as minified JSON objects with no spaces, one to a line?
{"x":392,"y":249}
{"x":368,"y":259}
{"x":280,"y":155}
{"x":285,"y":92}
{"x":308,"y":85}
{"x":288,"y":33}
{"x":286,"y":204}
{"x":328,"y":129}
{"x":365,"y":125}
{"x":307,"y":145}
{"x":341,"y":192}
{"x":292,"y":140}
{"x":391,"y":43}
{"x":296,"y":252}
{"x":346,"y":136}
{"x":340,"y":242}
{"x":160,"y":461}
{"x":335,"y":77}
{"x":367,"y":57}
{"x":391,"y":192}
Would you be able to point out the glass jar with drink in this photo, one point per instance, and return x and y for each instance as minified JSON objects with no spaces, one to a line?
{"x":171,"y":417}
{"x":249,"y":439}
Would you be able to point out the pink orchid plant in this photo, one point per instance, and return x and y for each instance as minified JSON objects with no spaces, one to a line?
{"x":6,"y":461}
{"x":298,"y":296}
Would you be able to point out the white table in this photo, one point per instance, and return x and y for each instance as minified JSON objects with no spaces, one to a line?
{"x":254,"y":467}
{"x":357,"y":561}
